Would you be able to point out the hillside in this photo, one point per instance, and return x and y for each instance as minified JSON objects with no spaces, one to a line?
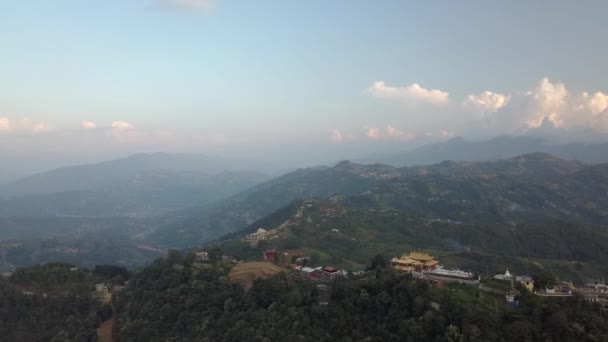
{"x":532,"y":188}
{"x":348,"y":231}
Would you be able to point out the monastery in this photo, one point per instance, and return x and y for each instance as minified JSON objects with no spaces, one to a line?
{"x":415,"y":262}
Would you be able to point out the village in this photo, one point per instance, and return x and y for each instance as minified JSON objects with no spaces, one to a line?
{"x":423,"y":266}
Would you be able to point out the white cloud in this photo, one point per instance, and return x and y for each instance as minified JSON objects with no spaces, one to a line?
{"x":597,"y":103}
{"x":5,"y":124}
{"x":89,"y":125}
{"x":551,"y":107}
{"x":373,"y":133}
{"x":336,"y":136}
{"x":194,"y":5}
{"x":389,"y":132}
{"x":411,"y":93}
{"x":486,"y":102}
{"x":121,"y":125}
{"x":24,"y":125}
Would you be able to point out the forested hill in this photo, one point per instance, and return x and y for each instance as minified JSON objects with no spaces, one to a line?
{"x":53,"y":302}
{"x":177,"y":300}
{"x":534,"y":187}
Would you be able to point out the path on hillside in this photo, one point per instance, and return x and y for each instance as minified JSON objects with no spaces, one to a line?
{"x":104,"y":332}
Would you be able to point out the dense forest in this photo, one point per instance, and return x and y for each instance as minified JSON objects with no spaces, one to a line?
{"x":55,"y":302}
{"x":50,"y":302}
{"x":177,"y":300}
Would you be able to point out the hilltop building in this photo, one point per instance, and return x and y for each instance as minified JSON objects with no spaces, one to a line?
{"x":415,"y":262}
{"x":526,"y":281}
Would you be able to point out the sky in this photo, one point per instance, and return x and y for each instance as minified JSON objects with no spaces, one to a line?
{"x":300,"y":81}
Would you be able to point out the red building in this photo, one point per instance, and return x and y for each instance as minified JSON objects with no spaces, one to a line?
{"x":271,"y":255}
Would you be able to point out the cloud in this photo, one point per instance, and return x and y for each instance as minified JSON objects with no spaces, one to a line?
{"x":549,"y":107}
{"x":373,"y":133}
{"x":411,"y":93}
{"x":24,"y":125}
{"x":122,"y":126}
{"x":552,"y":103}
{"x":336,"y":136}
{"x":192,"y":5}
{"x":89,"y":125}
{"x":486,"y":102}
{"x":5,"y":124}
{"x":389,"y":132}
{"x":595,"y":103}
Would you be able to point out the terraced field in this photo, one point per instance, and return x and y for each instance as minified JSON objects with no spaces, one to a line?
{"x":245,"y":273}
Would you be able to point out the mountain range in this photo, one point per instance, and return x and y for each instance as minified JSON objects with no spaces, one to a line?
{"x":529,"y":188}
{"x":502,"y":147}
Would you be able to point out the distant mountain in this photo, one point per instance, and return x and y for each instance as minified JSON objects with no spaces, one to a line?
{"x":528,"y":188}
{"x":459,"y":149}
{"x":135,"y":194}
{"x":92,"y":176}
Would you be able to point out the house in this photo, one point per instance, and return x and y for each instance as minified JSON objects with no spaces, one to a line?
{"x":202,"y":256}
{"x":270,"y":255}
{"x":320,"y":274}
{"x":596,"y":292}
{"x":415,"y":262}
{"x":327,"y":273}
{"x":305,"y":273}
{"x":101,"y":288}
{"x":512,"y":297}
{"x":303,"y":261}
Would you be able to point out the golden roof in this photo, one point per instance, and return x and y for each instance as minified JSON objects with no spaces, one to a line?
{"x":420,"y":256}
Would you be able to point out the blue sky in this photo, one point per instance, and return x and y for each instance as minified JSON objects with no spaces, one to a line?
{"x":90,"y":79}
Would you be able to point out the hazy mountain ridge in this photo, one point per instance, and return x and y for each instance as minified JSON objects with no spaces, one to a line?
{"x":523,"y":188}
{"x":502,"y":147}
{"x":135,"y":192}
{"x":91,"y":176}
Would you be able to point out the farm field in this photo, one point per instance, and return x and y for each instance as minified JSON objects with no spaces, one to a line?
{"x":245,"y":273}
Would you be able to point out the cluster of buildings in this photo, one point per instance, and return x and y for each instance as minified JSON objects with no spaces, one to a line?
{"x":320,"y":274}
{"x":596,"y":292}
{"x":424,"y":266}
{"x":524,"y":280}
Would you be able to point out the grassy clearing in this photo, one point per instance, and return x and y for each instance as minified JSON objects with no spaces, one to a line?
{"x":245,"y":273}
